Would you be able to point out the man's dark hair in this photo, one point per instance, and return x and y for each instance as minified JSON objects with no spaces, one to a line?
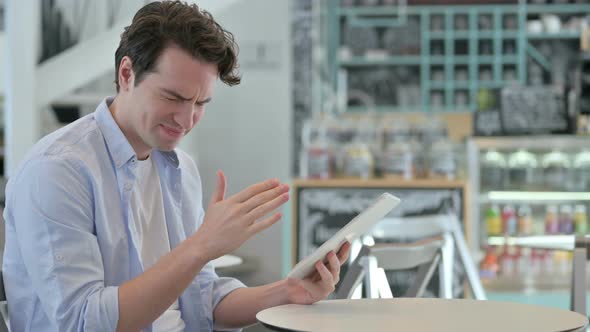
{"x":158,"y":25}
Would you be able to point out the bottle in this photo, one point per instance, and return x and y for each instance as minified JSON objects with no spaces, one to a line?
{"x":551,"y":220}
{"x":566,"y":221}
{"x":560,"y":261}
{"x":580,"y":220}
{"x":547,"y":266}
{"x":507,"y":262}
{"x":493,"y":221}
{"x":488,"y":268}
{"x":524,"y":265}
{"x":525,"y":220}
{"x":536,"y":257}
{"x":509,"y":221}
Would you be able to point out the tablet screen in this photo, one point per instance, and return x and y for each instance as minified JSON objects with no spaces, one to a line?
{"x":358,"y":226}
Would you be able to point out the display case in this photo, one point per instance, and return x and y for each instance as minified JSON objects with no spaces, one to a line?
{"x":530,"y":192}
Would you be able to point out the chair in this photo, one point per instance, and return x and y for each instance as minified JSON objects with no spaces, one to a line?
{"x":3,"y":306}
{"x":447,"y":227}
{"x":373,"y":261}
{"x":578,"y":288}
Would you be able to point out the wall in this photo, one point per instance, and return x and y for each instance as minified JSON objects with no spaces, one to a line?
{"x":246,"y":130}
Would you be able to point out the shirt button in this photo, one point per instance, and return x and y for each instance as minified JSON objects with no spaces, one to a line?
{"x":128,"y":186}
{"x":59,"y":257}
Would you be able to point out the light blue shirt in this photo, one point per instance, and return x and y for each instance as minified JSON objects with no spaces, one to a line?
{"x":70,"y":237}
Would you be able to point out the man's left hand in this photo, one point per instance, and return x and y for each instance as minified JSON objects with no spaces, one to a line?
{"x":322,"y":282}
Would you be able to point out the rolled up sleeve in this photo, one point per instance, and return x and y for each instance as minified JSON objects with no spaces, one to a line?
{"x":52,"y":209}
{"x":215,"y":288}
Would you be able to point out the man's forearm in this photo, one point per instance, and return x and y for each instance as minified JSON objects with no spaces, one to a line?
{"x":239,"y":308}
{"x":143,"y":299}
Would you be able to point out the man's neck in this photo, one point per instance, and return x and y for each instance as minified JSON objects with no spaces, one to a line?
{"x":117,"y":111}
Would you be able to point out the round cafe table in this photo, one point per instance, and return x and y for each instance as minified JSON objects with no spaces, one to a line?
{"x":420,"y":314}
{"x":226,"y":261}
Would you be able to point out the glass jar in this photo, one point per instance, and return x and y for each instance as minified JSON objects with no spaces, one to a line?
{"x":315,"y":157}
{"x":522,"y":171}
{"x":556,"y":170}
{"x":442,"y":160}
{"x":398,"y":153}
{"x":361,"y":39}
{"x":398,"y":160}
{"x":368,"y":133}
{"x":339,"y":133}
{"x":493,"y":170}
{"x":420,"y":152}
{"x":581,"y":171}
{"x":358,"y":161}
{"x":395,"y":131}
{"x":433,"y":130}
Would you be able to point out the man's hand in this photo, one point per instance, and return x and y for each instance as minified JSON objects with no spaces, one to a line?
{"x":321,"y":283}
{"x":228,"y":223}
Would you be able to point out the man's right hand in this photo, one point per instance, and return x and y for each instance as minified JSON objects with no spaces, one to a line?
{"x":228,"y":223}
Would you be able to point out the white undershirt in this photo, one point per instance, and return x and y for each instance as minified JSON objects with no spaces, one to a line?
{"x":148,"y":216}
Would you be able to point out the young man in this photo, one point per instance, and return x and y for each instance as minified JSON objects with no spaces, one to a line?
{"x":105,"y":229}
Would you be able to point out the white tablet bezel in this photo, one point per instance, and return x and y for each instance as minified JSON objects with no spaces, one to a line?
{"x":358,"y":226}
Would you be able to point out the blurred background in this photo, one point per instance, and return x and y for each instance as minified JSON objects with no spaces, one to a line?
{"x":479,"y":109}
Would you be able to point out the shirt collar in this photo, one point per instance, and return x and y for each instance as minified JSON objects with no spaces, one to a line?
{"x":118,"y":145}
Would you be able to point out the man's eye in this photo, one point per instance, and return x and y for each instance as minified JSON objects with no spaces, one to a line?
{"x":172,"y":99}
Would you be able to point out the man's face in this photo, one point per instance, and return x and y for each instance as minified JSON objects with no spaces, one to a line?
{"x":169,"y":101}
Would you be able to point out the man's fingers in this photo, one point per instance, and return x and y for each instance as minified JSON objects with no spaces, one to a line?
{"x":334,"y":266}
{"x":263,"y":197}
{"x":265,"y":223}
{"x":267,"y":207}
{"x":219,"y":193}
{"x":325,"y":275}
{"x":344,"y":252}
{"x":255,"y":189}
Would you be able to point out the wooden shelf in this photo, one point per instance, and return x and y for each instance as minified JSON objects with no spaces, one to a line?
{"x":380,"y":183}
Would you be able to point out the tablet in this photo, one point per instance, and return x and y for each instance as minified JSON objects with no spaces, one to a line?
{"x":353,"y":229}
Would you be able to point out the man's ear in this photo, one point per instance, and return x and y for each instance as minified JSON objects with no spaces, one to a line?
{"x":126,"y":75}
